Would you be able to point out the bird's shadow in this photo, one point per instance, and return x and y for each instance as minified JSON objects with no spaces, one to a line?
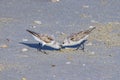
{"x":37,"y":46}
{"x":75,"y":46}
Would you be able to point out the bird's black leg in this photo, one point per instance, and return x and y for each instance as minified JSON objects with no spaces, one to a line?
{"x":83,"y":46}
{"x":40,"y":49}
{"x":78,"y":47}
{"x":59,"y":49}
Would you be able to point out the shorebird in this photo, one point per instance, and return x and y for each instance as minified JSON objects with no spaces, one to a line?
{"x":77,"y":39}
{"x":44,"y":39}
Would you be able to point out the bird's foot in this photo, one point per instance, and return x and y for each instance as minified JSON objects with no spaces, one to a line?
{"x":44,"y":52}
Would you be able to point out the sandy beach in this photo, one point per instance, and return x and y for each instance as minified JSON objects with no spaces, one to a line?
{"x":20,"y":60}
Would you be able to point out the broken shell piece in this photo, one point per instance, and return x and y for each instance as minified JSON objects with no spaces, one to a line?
{"x":4,"y":46}
{"x":93,"y":21}
{"x":55,"y":0}
{"x":24,"y":39}
{"x":24,"y":49}
{"x":33,"y":26}
{"x":54,"y":76}
{"x":68,"y":62}
{"x":23,"y":78}
{"x":85,"y":6}
{"x":38,"y":22}
{"x":92,"y":52}
{"x":89,"y":44}
{"x":62,"y":33}
{"x":84,"y":64}
{"x":91,"y":26}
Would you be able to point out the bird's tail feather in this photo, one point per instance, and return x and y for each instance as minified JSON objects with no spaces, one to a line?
{"x":32,"y":32}
{"x":90,"y":30}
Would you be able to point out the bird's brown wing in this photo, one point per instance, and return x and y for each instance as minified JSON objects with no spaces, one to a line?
{"x":46,"y":38}
{"x":81,"y":34}
{"x":42,"y":37}
{"x":77,"y":36}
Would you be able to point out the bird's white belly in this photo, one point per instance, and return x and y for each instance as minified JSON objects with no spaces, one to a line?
{"x":54,"y":44}
{"x":37,"y":39}
{"x":77,"y":42}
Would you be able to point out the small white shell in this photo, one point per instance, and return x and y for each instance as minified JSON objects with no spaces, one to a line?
{"x":24,"y":49}
{"x":91,"y":26}
{"x":84,"y":64}
{"x":24,"y":39}
{"x":38,"y":22}
{"x":55,"y":0}
{"x":68,"y":62}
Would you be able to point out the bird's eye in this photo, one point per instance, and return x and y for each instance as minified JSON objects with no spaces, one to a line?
{"x":63,"y":42}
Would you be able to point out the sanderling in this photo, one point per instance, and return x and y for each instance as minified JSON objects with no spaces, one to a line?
{"x":77,"y":38}
{"x":44,"y":39}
